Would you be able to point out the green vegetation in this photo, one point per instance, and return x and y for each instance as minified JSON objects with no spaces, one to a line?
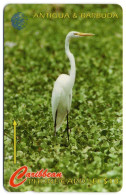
{"x":30,"y":68}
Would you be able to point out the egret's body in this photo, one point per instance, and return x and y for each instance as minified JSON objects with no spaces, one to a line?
{"x":61,"y":99}
{"x":62,"y":91}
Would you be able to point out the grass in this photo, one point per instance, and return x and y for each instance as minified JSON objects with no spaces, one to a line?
{"x":30,"y":69}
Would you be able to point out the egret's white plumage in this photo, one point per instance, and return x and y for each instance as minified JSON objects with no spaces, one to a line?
{"x":61,"y":99}
{"x":62,"y":91}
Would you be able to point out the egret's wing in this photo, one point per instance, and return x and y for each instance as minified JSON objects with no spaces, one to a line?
{"x":70,"y":101}
{"x":61,"y":100}
{"x":55,"y":99}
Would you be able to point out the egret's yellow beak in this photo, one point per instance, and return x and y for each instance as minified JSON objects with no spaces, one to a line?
{"x":84,"y":34}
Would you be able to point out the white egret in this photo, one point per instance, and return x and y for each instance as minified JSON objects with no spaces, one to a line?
{"x":62,"y":91}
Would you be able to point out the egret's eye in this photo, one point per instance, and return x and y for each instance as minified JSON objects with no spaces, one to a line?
{"x":75,"y":33}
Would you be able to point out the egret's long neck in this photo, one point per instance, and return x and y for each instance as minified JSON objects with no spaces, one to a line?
{"x":72,"y":61}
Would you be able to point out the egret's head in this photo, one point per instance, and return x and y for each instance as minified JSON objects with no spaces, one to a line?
{"x":74,"y":34}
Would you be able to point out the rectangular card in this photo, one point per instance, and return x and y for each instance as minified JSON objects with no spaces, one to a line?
{"x":63,"y":97}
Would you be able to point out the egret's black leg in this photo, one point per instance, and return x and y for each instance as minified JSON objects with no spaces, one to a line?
{"x":67,"y":127}
{"x":55,"y":123}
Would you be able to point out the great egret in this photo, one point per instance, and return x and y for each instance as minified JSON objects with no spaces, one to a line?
{"x":62,"y":91}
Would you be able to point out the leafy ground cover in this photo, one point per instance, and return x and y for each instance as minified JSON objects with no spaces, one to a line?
{"x":32,"y":62}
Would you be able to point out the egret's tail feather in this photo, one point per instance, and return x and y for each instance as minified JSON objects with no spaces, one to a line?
{"x":59,"y":120}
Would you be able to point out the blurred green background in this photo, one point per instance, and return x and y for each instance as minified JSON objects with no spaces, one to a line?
{"x":33,"y":59}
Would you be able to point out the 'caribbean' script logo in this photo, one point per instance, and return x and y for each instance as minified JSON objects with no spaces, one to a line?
{"x":22,"y":172}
